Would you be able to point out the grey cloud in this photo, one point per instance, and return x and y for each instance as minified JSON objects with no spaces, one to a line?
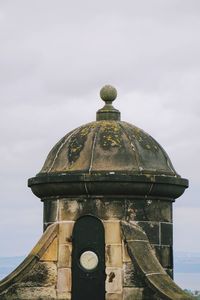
{"x":56,"y":55}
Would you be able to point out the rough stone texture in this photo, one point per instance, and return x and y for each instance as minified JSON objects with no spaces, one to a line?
{"x":142,"y":254}
{"x":51,"y":254}
{"x":110,"y":296}
{"x":42,"y":274}
{"x":64,"y":280}
{"x":113,"y":151}
{"x":125,"y":255}
{"x":167,"y":288}
{"x":112,"y":232}
{"x":164,"y":255}
{"x":34,"y":278}
{"x":166,"y":234}
{"x":153,"y":210}
{"x":113,"y":255}
{"x":64,"y":256}
{"x":121,"y":272}
{"x":69,"y":210}
{"x":152,"y":231}
{"x":137,"y":294}
{"x":110,"y":209}
{"x":149,"y":210}
{"x":64,"y":296}
{"x":32,"y":293}
{"x":114,"y":280}
{"x":50,"y":210}
{"x":152,"y":215}
{"x":131,"y":276}
{"x":65,"y":232}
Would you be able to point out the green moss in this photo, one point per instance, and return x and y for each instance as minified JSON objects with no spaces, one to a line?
{"x":110,"y":135}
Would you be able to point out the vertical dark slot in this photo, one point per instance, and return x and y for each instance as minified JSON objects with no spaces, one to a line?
{"x":88,"y":259}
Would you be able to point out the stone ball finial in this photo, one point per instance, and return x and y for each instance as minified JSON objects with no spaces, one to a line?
{"x":108,"y":93}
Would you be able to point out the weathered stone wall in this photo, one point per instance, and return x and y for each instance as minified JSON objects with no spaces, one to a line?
{"x":48,"y":274}
{"x":153,"y":215}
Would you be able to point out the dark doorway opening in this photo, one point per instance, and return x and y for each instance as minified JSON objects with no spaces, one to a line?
{"x":88,"y":259}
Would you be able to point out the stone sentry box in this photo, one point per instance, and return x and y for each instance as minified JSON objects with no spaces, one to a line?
{"x":115,"y":172}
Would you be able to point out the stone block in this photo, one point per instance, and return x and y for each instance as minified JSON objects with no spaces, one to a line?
{"x":133,"y":293}
{"x":69,"y":209}
{"x":137,"y":294}
{"x":51,"y":254}
{"x":166,"y":287}
{"x":125,"y":255}
{"x":64,"y":296}
{"x":65,"y":232}
{"x":166,"y":233}
{"x":113,"y":255}
{"x":64,"y":255}
{"x":164,"y":255}
{"x":131,"y":231}
{"x":112,"y":232}
{"x":51,"y":210}
{"x":143,"y":253}
{"x":24,"y":293}
{"x":131,"y":276}
{"x":110,"y":296}
{"x":64,"y":280}
{"x":152,"y":231}
{"x":42,"y":274}
{"x":114,"y":280}
{"x":110,"y":209}
{"x":87,"y":206}
{"x":149,"y":210}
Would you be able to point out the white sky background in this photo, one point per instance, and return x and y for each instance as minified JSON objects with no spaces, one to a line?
{"x":54,"y":58}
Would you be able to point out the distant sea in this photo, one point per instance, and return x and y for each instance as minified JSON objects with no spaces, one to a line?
{"x":189,"y":281}
{"x":8,"y":264}
{"x":187,"y":269}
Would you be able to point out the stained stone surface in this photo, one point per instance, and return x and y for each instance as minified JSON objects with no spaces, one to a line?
{"x":114,"y":296}
{"x":42,"y":274}
{"x":166,"y":234}
{"x":138,"y":294}
{"x":143,"y":255}
{"x":114,"y":280}
{"x":123,"y":275}
{"x":116,"y":146}
{"x":149,"y":210}
{"x":113,"y":255}
{"x":111,"y":210}
{"x":32,"y":293}
{"x":164,"y":255}
{"x":118,"y":173}
{"x":38,"y":283}
{"x":132,"y":276}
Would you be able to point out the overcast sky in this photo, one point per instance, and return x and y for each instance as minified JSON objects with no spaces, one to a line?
{"x":54,"y":58}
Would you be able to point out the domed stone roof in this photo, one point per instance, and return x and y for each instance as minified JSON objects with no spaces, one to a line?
{"x":108,"y":157}
{"x":108,"y":146}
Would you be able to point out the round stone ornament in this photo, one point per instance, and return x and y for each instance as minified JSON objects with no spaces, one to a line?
{"x":108,"y":93}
